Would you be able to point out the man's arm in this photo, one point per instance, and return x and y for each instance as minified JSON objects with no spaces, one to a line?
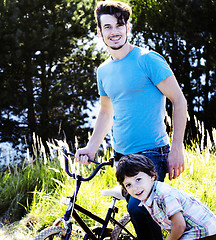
{"x":178,"y":226}
{"x":170,"y":88}
{"x":102,"y":127}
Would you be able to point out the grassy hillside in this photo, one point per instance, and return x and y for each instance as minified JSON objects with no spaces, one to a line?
{"x":37,"y":188}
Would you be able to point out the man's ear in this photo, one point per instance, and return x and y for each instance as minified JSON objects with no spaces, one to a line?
{"x":128,"y":27}
{"x":99,"y":32}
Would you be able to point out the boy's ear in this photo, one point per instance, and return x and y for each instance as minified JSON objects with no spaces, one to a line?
{"x":154,"y":178}
{"x":99,"y":32}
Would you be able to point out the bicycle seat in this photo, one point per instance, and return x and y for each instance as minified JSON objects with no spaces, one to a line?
{"x":113,"y":192}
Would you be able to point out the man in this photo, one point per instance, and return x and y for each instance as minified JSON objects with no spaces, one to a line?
{"x":133,"y":85}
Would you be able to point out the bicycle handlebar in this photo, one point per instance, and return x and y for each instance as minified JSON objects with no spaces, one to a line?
{"x":73,"y":175}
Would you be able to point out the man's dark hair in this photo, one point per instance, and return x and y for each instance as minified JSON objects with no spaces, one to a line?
{"x":118,"y":9}
{"x":131,"y":164}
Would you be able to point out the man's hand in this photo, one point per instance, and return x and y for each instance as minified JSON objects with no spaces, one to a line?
{"x":176,"y":160}
{"x":82,"y":155}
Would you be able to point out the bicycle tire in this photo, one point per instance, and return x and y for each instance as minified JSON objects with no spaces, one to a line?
{"x":50,"y":233}
{"x":117,"y":233}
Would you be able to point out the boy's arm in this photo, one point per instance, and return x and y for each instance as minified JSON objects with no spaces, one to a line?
{"x":178,"y":227}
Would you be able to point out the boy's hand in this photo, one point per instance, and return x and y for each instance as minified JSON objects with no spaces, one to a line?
{"x":178,"y":227}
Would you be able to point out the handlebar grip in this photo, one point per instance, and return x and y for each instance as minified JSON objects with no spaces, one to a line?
{"x":93,"y":161}
{"x":73,"y":175}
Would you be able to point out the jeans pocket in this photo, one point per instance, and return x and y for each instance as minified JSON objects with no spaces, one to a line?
{"x":160,"y":163}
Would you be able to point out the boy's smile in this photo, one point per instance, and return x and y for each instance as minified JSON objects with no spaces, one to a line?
{"x":139,"y":186}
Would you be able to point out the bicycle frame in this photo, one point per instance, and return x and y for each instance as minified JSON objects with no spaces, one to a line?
{"x":73,"y":208}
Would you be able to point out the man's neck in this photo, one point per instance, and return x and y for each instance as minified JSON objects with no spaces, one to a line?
{"x":120,"y":53}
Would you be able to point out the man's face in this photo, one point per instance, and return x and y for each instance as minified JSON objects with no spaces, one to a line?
{"x":113,"y":33}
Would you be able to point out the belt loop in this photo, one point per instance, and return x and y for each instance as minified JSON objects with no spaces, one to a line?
{"x":162,"y":150}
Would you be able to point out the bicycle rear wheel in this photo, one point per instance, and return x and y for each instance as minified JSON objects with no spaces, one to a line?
{"x":51,"y":233}
{"x":118,"y":233}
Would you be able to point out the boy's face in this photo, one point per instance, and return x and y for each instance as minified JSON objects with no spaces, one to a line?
{"x":114,"y":34}
{"x":139,"y":186}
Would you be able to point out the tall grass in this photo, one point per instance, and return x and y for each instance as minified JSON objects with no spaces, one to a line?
{"x":199,"y":176}
{"x":46,"y":206}
{"x":46,"y":183}
{"x":198,"y":180}
{"x":89,"y":195}
{"x":17,"y":185}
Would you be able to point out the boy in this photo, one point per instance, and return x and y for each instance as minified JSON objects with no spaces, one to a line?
{"x":181,"y":215}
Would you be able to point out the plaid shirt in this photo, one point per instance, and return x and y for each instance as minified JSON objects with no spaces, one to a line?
{"x":164,"y":201}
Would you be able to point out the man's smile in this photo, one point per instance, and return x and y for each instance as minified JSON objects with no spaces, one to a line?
{"x":115,"y":38}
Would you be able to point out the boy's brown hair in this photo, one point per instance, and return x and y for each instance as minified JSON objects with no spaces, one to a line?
{"x":131,"y":164}
{"x":116,"y":8}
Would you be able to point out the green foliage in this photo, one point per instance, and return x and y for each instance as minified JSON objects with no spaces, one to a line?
{"x":47,"y":67}
{"x":17,"y":186}
{"x":184,"y":32}
{"x":198,"y":177}
{"x":51,"y":185}
{"x":89,"y":197}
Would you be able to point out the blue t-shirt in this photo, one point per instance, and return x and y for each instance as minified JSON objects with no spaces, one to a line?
{"x":139,"y":106}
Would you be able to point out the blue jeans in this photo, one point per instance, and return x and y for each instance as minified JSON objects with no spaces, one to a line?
{"x":145,"y":227}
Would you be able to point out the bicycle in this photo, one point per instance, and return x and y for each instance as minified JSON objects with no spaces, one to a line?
{"x":119,"y":231}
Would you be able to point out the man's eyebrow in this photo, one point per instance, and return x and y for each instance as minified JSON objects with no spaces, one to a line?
{"x":120,"y":24}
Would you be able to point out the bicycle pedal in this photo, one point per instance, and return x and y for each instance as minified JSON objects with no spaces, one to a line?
{"x":65,"y":200}
{"x":76,"y":229}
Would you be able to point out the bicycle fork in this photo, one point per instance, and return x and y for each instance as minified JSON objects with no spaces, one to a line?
{"x":70,"y":209}
{"x":112,"y":210}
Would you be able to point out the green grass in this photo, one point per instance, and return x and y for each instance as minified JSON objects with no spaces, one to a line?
{"x":39,"y":188}
{"x":199,"y":176}
{"x":48,"y":206}
{"x":18,"y":184}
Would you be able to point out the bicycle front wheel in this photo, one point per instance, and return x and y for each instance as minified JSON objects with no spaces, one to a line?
{"x":51,"y":233}
{"x":118,"y":233}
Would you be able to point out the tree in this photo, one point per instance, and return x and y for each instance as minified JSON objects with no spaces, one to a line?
{"x":47,"y":67}
{"x":184,"y":32}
